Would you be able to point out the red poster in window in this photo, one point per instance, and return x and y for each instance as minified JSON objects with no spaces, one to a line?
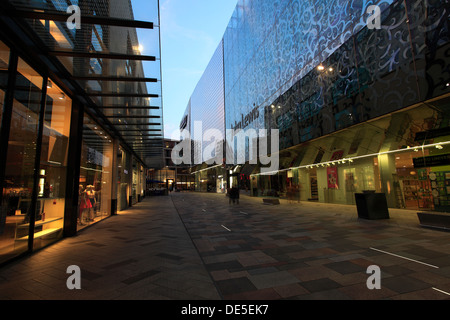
{"x":337,"y":155}
{"x":332,"y":176}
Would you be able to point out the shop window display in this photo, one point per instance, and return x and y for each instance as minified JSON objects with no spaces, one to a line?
{"x":94,"y":196}
{"x":4,"y":63}
{"x":20,"y":160}
{"x":123,"y":182}
{"x":134,"y":189}
{"x":53,"y":166}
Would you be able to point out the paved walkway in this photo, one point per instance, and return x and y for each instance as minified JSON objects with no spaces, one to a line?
{"x":196,"y":246}
{"x":142,"y":253}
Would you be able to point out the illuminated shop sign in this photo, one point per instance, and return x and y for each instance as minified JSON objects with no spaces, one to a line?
{"x":431,"y":161}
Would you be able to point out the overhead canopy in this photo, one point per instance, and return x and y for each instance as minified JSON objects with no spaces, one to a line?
{"x":102,"y":63}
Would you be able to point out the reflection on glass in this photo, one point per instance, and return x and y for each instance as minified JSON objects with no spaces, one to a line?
{"x":4,"y":63}
{"x":6,"y":228}
{"x":53,"y":167}
{"x":94,"y":199}
{"x":18,"y":184}
{"x":123,"y":176}
{"x":135,"y":182}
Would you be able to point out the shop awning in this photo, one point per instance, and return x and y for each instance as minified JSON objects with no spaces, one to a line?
{"x":102,"y":63}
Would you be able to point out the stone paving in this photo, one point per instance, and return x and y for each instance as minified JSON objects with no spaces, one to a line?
{"x":197,"y":246}
{"x":142,"y":253}
{"x":313,"y":250}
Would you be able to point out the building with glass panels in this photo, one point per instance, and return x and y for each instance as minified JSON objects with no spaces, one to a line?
{"x":359,"y":106}
{"x":204,"y":122}
{"x":81,"y":116}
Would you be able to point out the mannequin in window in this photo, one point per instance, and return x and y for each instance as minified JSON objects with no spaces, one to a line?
{"x":47,"y":190}
{"x":83,"y":204}
{"x":91,"y":197}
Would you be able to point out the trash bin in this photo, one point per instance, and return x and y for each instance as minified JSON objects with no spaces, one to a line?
{"x":371,"y":205}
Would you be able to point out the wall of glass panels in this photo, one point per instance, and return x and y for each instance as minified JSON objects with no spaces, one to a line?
{"x":100,"y":76}
{"x":138,"y":181}
{"x":53,"y":166}
{"x":20,"y":160}
{"x":4,"y":64}
{"x":94,"y":200}
{"x":207,"y":108}
{"x":33,"y":204}
{"x":401,"y":155}
{"x":123,"y":183}
{"x":314,"y":67}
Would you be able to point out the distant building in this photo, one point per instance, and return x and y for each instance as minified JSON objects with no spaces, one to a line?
{"x":171,"y":176}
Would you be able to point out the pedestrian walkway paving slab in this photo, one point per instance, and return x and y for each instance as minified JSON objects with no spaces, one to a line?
{"x":197,"y":246}
{"x":325,"y":249}
{"x":142,"y":253}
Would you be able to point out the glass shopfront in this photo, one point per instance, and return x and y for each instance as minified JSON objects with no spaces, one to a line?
{"x":135,"y":186}
{"x":405,"y":155}
{"x":33,"y":204}
{"x":123,"y":179}
{"x":60,"y":88}
{"x":20,"y":159}
{"x":4,"y":64}
{"x":53,"y":166}
{"x":137,"y":189}
{"x":94,"y":200}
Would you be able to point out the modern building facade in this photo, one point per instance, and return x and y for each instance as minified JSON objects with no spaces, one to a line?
{"x":358,"y":107}
{"x":80,"y":119}
{"x":171,"y":177}
{"x":204,"y":123}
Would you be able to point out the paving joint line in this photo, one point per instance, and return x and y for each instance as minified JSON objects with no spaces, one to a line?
{"x":441,"y":291}
{"x":399,"y":256}
{"x":225,"y":227}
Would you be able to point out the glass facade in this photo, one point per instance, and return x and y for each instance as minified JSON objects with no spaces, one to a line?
{"x":109,"y":62}
{"x":207,"y":111}
{"x":95,"y":174}
{"x":18,"y":183}
{"x":400,"y":155}
{"x":4,"y":64}
{"x":80,"y":119}
{"x":123,"y":182}
{"x":370,"y":75}
{"x":357,"y":108}
{"x":314,"y":67}
{"x":138,"y":182}
{"x":34,"y":186}
{"x":53,"y":166}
